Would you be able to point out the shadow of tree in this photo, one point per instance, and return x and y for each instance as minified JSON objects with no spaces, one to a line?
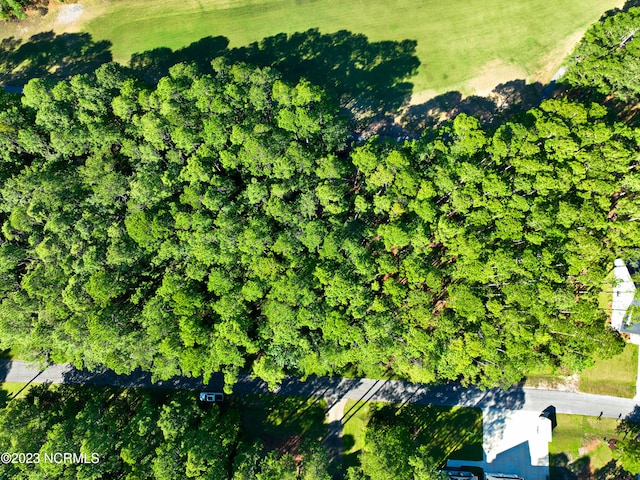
{"x":562,"y":468}
{"x":612,"y":471}
{"x":634,"y":415}
{"x":369,"y":79}
{"x":5,"y":366}
{"x":506,"y":101}
{"x":559,"y":467}
{"x":49,"y":55}
{"x":152,"y":65}
{"x":281,"y":417}
{"x":450,"y":433}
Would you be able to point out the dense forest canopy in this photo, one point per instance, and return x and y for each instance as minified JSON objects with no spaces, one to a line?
{"x":141,"y":434}
{"x":223,"y":221}
{"x":606,"y":59}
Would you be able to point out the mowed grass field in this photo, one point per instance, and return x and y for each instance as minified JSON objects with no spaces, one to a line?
{"x":466,"y":45}
{"x":580,"y":444}
{"x":614,"y":376}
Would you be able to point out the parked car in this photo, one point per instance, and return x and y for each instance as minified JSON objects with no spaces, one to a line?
{"x":211,"y":396}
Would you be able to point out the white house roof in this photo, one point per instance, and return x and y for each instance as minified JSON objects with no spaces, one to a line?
{"x":512,"y":441}
{"x":623,"y":293}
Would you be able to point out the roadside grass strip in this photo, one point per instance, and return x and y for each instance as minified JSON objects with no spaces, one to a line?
{"x":11,"y":390}
{"x":615,"y":376}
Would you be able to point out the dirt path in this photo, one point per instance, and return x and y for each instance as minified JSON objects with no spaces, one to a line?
{"x":59,"y":18}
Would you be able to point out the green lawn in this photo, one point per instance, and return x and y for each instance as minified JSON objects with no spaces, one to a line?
{"x":456,"y":40}
{"x":449,"y":432}
{"x":356,"y":417}
{"x":615,"y":376}
{"x":9,"y":355}
{"x":279,"y":420}
{"x":605,"y":297}
{"x":9,"y":390}
{"x":578,"y":444}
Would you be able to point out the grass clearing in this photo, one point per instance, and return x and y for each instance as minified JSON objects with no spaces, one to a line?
{"x":281,"y":422}
{"x":449,"y":432}
{"x":604,"y":298}
{"x":551,"y":379}
{"x":466,"y":45}
{"x":10,"y":390}
{"x":615,"y":376}
{"x":578,"y":444}
{"x":457,"y":41}
{"x":356,"y":417}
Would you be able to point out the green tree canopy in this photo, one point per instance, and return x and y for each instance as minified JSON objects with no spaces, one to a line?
{"x":141,"y":434}
{"x":607,"y":57}
{"x":218,"y":222}
{"x":627,"y":450}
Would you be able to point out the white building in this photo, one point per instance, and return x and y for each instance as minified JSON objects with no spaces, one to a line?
{"x":624,"y":291}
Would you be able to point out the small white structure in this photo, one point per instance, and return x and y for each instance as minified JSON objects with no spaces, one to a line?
{"x":624,"y":292}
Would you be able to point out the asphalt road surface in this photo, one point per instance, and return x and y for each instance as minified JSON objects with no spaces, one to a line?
{"x":336,"y":388}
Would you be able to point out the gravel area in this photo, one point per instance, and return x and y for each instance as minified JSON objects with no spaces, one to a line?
{"x":69,"y":13}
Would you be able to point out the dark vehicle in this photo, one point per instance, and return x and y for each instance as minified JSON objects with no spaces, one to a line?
{"x":211,"y":397}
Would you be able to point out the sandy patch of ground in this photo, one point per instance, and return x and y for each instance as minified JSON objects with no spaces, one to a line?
{"x":423,"y":96}
{"x":589,"y":446}
{"x":482,"y":84}
{"x":560,"y":383}
{"x":60,"y":18}
{"x":69,"y":14}
{"x":554,"y":59}
{"x":492,"y":74}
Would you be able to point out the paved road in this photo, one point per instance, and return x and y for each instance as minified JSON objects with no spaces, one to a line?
{"x":337,"y":389}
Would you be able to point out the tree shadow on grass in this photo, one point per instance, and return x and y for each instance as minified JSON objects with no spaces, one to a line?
{"x":151,"y":65}
{"x":612,"y":471}
{"x":561,"y":467}
{"x":367,"y":79}
{"x":506,"y":101}
{"x":558,"y":467}
{"x":454,"y":433}
{"x":280,"y":417}
{"x":50,"y":55}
